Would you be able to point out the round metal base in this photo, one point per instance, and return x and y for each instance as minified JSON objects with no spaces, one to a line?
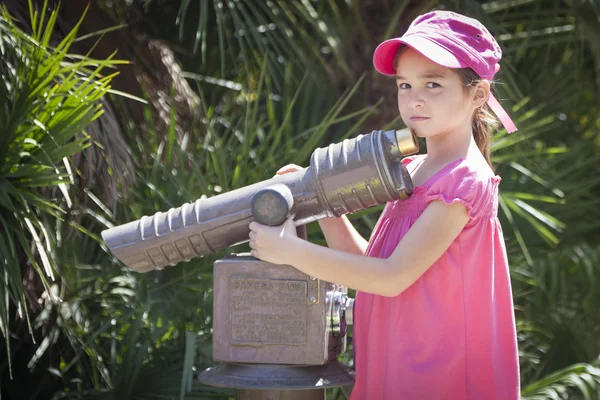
{"x":279,"y":377}
{"x":273,"y":394}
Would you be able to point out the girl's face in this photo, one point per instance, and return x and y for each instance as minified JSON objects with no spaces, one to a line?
{"x":431,"y":98}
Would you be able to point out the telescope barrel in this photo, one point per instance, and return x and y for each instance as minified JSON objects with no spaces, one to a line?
{"x":342,"y":178}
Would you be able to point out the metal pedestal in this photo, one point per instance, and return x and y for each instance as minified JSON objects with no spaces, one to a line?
{"x":278,"y":382}
{"x":318,"y":394}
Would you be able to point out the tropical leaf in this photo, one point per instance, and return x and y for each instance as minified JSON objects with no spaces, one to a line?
{"x":583,"y":379}
{"x":47,"y":99}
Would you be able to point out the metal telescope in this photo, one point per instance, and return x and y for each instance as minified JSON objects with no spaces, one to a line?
{"x":277,"y":332}
{"x":343,"y":178}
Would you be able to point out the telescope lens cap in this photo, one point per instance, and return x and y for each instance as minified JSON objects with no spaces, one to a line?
{"x":272,"y":205}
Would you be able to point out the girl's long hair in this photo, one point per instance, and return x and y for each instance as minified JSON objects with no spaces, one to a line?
{"x":484,"y":122}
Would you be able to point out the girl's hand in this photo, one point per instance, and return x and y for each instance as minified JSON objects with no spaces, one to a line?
{"x":272,"y":243}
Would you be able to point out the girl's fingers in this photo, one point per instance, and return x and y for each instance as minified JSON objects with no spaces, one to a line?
{"x":288,"y":168}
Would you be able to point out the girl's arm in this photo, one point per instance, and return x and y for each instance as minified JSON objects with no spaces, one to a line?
{"x":425,"y":242}
{"x":342,"y":236}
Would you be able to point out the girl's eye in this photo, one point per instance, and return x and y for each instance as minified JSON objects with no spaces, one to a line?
{"x":404,"y":86}
{"x":432,"y":85}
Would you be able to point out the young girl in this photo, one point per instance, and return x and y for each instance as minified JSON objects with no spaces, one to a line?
{"x":433,"y":313}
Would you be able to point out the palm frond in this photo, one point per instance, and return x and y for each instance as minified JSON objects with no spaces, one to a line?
{"x":46,"y":101}
{"x":583,"y":379}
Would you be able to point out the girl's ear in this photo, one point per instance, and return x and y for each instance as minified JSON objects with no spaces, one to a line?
{"x":481,"y":93}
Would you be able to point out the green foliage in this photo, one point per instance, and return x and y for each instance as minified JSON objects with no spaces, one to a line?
{"x":48,"y":97}
{"x":561,"y":384}
{"x":558,"y":297}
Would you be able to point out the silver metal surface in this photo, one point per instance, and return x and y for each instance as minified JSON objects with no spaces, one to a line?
{"x":343,"y":178}
{"x":348,"y":311}
{"x":335,"y":314}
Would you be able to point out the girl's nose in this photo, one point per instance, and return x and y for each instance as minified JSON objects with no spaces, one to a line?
{"x":415,"y":101}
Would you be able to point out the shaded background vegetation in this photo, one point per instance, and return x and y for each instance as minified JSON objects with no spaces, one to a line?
{"x":212,"y":95}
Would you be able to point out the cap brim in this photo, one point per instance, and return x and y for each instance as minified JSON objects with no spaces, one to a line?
{"x":383,"y":58}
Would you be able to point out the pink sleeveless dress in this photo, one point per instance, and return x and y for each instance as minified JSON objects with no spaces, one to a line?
{"x":451,"y":334}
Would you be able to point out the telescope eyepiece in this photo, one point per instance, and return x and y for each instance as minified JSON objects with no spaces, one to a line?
{"x":272,"y":205}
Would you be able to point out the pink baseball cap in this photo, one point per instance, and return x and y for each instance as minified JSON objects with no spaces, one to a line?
{"x":451,"y":40}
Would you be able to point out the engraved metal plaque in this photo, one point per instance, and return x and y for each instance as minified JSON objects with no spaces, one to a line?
{"x":267,"y":311}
